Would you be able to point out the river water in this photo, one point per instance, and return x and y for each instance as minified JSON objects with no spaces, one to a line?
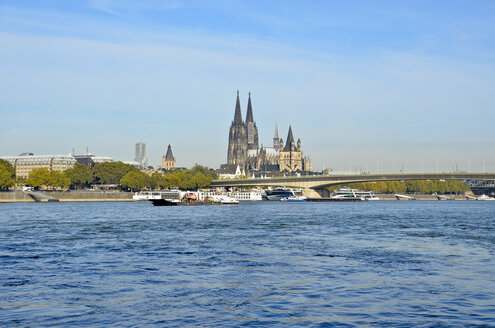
{"x":378,"y":264}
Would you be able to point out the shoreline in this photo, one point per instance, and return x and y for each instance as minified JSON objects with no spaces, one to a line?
{"x":118,"y":196}
{"x":67,"y":196}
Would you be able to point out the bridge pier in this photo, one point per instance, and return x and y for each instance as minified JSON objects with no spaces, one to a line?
{"x":311,"y":193}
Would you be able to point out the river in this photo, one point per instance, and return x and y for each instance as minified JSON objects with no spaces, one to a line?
{"x":377,"y":264}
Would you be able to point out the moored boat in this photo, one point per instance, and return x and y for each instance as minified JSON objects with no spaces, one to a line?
{"x":332,"y":199}
{"x":224,"y":199}
{"x":346,"y":192}
{"x":279,"y":192}
{"x":293,"y":199}
{"x":190,"y":198}
{"x":147,"y":195}
{"x":485,"y":197}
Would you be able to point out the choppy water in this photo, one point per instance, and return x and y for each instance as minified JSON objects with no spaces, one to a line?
{"x":352,"y":264}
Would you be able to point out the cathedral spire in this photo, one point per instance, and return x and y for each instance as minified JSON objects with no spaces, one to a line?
{"x":276,"y":131}
{"x":249,"y":114}
{"x":290,"y":140}
{"x":238,"y":115}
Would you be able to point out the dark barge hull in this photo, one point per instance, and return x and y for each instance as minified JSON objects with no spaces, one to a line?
{"x":164,"y":202}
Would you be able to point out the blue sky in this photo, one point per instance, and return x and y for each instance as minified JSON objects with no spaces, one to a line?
{"x":363,"y":83}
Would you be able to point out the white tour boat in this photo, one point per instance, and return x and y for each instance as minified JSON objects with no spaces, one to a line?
{"x":485,"y":197}
{"x":346,"y":192}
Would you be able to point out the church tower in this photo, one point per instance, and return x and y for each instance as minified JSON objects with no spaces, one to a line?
{"x":291,"y":155}
{"x":168,"y":161}
{"x":252,"y":130}
{"x":276,"y":141}
{"x":238,"y":138}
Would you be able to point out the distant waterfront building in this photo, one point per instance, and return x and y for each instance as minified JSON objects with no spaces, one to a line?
{"x":140,"y":154}
{"x":230,"y":171}
{"x":291,"y":156}
{"x":244,"y":149}
{"x":27,"y":162}
{"x":168,"y":161}
{"x":85,"y":160}
{"x":91,"y":160}
{"x":238,"y":138}
{"x":102,"y":159}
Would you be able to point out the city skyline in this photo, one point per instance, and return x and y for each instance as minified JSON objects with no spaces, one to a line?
{"x":370,"y":84}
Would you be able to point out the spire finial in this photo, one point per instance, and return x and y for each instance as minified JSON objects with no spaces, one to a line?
{"x":237,"y":115}
{"x":249,"y":113}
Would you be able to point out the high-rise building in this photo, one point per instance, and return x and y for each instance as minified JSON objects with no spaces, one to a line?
{"x":140,"y":154}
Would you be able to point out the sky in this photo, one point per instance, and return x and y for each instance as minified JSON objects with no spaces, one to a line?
{"x":378,"y":86}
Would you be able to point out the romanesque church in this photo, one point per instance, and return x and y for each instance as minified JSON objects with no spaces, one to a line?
{"x":244,"y":150}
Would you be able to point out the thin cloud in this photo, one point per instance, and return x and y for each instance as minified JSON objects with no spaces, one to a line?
{"x":115,"y":7}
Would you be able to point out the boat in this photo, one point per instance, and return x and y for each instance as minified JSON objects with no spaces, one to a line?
{"x":167,"y":198}
{"x":224,"y":199}
{"x":250,"y":195}
{"x":190,"y":198}
{"x":293,"y":199}
{"x":279,"y":192}
{"x":147,"y":195}
{"x":331,"y":199}
{"x":244,"y":195}
{"x":485,"y":197}
{"x":346,"y":192}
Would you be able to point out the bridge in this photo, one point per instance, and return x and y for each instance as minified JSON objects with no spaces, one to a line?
{"x":319,"y":182}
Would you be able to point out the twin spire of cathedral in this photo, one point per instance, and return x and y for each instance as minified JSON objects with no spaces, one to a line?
{"x":244,"y":150}
{"x":238,"y":115}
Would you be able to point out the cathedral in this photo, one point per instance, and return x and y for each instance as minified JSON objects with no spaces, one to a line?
{"x":244,"y":150}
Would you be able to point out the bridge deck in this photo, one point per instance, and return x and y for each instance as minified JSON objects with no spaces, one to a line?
{"x":322,"y":181}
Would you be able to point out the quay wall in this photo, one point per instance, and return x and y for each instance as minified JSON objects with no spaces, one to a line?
{"x":113,"y":196}
{"x":420,"y":197}
{"x":69,"y":196}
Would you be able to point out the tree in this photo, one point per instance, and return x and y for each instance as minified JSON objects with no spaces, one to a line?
{"x":136,"y":180}
{"x":39,"y":177}
{"x":80,"y":175}
{"x":44,"y":177}
{"x":206,"y":171}
{"x":112,"y":172}
{"x":9,"y":167}
{"x":157,"y":181}
{"x":180,"y":178}
{"x":58,"y":179}
{"x":6,"y":180}
{"x":200,"y":180}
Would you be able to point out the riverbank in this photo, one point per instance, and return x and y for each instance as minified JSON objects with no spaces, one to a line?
{"x":68,"y":196}
{"x":118,"y":196}
{"x":422,"y":197}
